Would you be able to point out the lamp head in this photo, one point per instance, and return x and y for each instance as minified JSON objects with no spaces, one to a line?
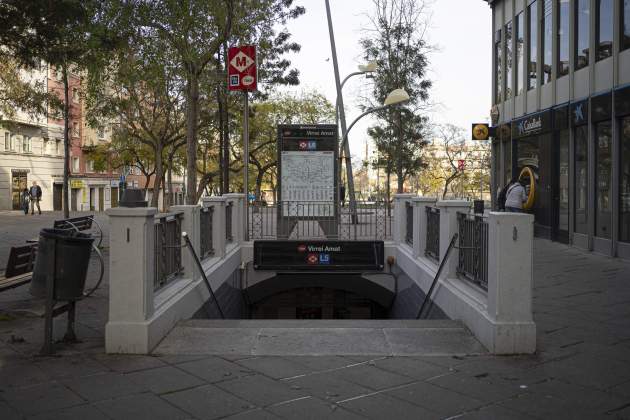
{"x":396,"y":96}
{"x":368,"y":68}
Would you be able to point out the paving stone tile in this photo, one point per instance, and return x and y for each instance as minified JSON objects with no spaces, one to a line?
{"x":371,"y":377}
{"x":103,"y":386}
{"x":73,"y":366}
{"x":621,"y":389}
{"x":256,"y":414}
{"x":82,"y":412}
{"x":7,"y":412}
{"x":165,"y":379}
{"x":312,"y":409}
{"x":215,"y":369}
{"x":274,"y":367}
{"x":141,"y":406}
{"x":486,"y":389}
{"x":41,"y":397}
{"x":321,"y":363}
{"x":494,"y":412}
{"x":20,"y":375}
{"x":261,"y":390}
{"x":548,"y":407}
{"x":128,"y":363}
{"x":443,"y":401}
{"x":208,"y":402}
{"x":587,"y":398}
{"x":411,"y":367}
{"x":175,"y":359}
{"x":381,"y":406}
{"x":328,"y":387}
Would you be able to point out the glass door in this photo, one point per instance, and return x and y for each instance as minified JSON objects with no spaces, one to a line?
{"x":18,"y":183}
{"x":561,"y":190}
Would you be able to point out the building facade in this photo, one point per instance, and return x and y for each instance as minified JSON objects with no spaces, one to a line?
{"x":561,"y":95}
{"x":29,"y":151}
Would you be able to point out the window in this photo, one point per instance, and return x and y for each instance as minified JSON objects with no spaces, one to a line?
{"x":625,"y":24}
{"x":520,"y":45}
{"x":45,"y":147}
{"x":7,"y":141}
{"x":58,"y":74}
{"x":563,"y":38}
{"x":508,"y":60}
{"x":75,"y":164}
{"x":75,"y":95}
{"x":57,"y":148}
{"x":547,"y":41}
{"x":75,"y":129}
{"x":507,"y":161}
{"x":603,"y":219}
{"x":100,"y":132}
{"x":604,"y":40}
{"x":624,"y":184}
{"x":26,"y":144}
{"x":89,"y":166}
{"x":532,"y":54}
{"x":498,"y":56}
{"x":581,"y":179}
{"x":582,"y":33}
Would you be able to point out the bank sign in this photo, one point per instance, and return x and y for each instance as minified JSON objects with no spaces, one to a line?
{"x":318,"y":255}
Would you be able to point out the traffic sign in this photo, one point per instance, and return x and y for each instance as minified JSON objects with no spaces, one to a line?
{"x":242,"y":68}
{"x":480,"y":131}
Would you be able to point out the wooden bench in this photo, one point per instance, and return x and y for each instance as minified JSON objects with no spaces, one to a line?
{"x":19,"y":269}
{"x":80,"y":223}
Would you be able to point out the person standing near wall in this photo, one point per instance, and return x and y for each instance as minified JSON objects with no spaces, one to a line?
{"x":36,"y":195}
{"x":515,"y":197}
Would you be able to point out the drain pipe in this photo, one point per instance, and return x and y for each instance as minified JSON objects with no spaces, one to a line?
{"x":203,"y":274}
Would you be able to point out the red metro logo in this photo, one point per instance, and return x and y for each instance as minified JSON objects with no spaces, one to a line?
{"x":312,"y":259}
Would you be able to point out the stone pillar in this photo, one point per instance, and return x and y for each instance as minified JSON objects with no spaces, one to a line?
{"x":448,"y":227}
{"x":131,"y":278}
{"x":420,"y":224}
{"x":510,"y":281}
{"x":399,"y":221}
{"x":238,"y":216}
{"x":190,"y":225}
{"x":218,"y":223}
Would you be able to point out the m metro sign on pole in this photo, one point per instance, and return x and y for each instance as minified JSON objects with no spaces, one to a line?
{"x":242,"y":70}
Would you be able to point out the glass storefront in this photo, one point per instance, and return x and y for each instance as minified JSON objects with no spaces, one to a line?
{"x":603,"y":178}
{"x":624,"y":184}
{"x":581,"y":179}
{"x":563,"y":181}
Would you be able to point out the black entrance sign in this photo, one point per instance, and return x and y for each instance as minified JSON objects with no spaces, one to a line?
{"x":319,"y":255}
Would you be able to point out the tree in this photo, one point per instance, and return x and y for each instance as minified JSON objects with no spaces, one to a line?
{"x":396,"y":42}
{"x":20,"y":92}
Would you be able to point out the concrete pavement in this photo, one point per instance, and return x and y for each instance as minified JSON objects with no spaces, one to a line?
{"x":581,"y":371}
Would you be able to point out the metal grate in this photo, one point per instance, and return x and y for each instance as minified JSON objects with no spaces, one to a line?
{"x":205,"y":228}
{"x":432,"y":249}
{"x":473,"y":249}
{"x":168,"y":251}
{"x":311,"y":220}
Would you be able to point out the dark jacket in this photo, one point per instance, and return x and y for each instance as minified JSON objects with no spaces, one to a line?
{"x":38,"y":192}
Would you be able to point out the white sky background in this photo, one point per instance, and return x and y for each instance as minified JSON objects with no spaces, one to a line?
{"x":460,"y":68}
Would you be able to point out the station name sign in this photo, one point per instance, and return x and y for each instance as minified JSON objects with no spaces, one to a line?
{"x":292,"y":255}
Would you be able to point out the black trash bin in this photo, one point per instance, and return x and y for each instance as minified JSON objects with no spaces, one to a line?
{"x":72,"y":258}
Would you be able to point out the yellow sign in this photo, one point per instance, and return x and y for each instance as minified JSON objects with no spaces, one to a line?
{"x":76,"y":183}
{"x":531,"y":197}
{"x":480,"y":131}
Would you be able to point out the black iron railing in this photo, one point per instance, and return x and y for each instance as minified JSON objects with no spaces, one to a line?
{"x":228,"y":221}
{"x":432,"y":249}
{"x":473,"y":248}
{"x":205,"y":230}
{"x":409,"y":223}
{"x":319,"y":220}
{"x":168,"y":251}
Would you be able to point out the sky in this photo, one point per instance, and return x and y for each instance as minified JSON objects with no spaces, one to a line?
{"x":460,"y":66}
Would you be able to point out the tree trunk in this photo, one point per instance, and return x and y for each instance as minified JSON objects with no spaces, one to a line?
{"x":226,"y":130}
{"x":388,"y":191}
{"x":169,"y":182}
{"x":399,"y":166}
{"x":259,"y":180}
{"x":66,"y":144}
{"x":159,"y":173}
{"x":192,"y":117}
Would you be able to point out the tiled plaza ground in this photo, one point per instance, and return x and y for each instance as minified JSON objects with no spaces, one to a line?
{"x":581,"y":371}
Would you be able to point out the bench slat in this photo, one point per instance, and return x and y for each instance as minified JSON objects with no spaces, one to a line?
{"x":11,"y":282}
{"x":21,"y":260}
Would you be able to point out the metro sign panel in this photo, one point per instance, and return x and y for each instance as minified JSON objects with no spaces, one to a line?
{"x":242,"y":68}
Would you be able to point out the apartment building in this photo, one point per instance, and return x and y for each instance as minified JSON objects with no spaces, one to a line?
{"x":561,"y":95}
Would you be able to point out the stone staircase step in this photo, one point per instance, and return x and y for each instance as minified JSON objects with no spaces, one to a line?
{"x":321,"y":338}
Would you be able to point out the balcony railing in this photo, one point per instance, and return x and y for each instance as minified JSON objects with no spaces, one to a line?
{"x":168,"y":251}
{"x":432,"y":249}
{"x":228,"y":222}
{"x":473,"y":249}
{"x":205,"y":227}
{"x":319,"y":220}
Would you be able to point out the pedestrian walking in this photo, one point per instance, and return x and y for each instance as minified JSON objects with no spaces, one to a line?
{"x":36,"y":195}
{"x":515,"y":197}
{"x":25,"y":199}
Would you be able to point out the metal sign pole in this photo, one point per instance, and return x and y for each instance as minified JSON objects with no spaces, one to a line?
{"x":246,"y":162}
